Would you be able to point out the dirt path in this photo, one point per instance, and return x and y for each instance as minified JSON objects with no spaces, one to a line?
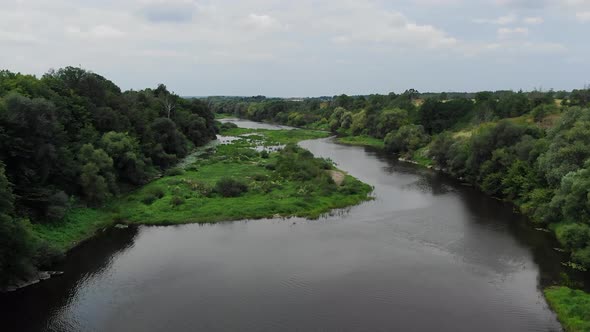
{"x":337,"y":176}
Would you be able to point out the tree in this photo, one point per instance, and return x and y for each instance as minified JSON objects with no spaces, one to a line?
{"x":569,"y":145}
{"x":572,"y":197}
{"x":407,"y":139}
{"x":127,"y":158}
{"x":359,"y":122}
{"x":15,"y":243}
{"x":97,"y":178}
{"x":391,"y":120}
{"x":167,"y":99}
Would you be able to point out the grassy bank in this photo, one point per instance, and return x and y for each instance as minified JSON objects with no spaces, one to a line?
{"x":572,"y":307}
{"x":362,"y":141}
{"x":287,"y":183}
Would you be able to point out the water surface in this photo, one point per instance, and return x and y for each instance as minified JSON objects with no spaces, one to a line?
{"x":428,"y":254}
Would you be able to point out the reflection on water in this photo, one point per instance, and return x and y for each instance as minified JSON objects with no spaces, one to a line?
{"x":428,"y":254}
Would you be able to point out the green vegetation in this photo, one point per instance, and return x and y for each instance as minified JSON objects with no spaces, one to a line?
{"x":73,"y":139}
{"x":233,"y":182}
{"x":572,"y":307}
{"x":362,"y":141}
{"x":275,"y":137}
{"x":522,"y":147}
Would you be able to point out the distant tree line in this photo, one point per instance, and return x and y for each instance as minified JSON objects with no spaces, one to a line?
{"x":530,"y":148}
{"x":72,"y":137}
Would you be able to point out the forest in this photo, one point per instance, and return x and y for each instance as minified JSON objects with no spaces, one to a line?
{"x":528,"y":148}
{"x":72,"y":138}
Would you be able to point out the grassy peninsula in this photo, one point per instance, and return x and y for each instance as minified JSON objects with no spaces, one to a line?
{"x":572,"y":307}
{"x":228,"y":181}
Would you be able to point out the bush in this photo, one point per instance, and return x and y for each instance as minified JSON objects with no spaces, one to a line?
{"x":228,"y":187}
{"x":177,"y":200}
{"x":582,"y":257}
{"x":574,"y":236}
{"x":259,"y":177}
{"x":58,"y":206}
{"x":149,"y":199}
{"x":228,"y":125}
{"x":174,"y":171}
{"x":152,"y":195}
{"x":157,"y":192}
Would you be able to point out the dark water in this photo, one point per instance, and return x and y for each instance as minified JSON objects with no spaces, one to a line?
{"x":428,"y":254}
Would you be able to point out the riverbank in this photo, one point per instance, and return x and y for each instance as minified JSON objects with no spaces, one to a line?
{"x":261,"y":183}
{"x":571,"y":306}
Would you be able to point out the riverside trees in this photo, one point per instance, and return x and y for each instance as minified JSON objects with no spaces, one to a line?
{"x":73,"y":137}
{"x":524,"y":147}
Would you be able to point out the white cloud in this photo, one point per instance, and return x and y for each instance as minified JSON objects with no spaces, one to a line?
{"x":583,"y":16}
{"x":502,"y":20}
{"x":518,"y":32}
{"x":533,"y":20}
{"x":509,"y":19}
{"x":263,"y":22}
{"x":370,"y":24}
{"x":172,"y":37}
{"x":579,"y":8}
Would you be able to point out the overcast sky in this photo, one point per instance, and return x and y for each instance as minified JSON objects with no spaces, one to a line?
{"x":304,"y":47}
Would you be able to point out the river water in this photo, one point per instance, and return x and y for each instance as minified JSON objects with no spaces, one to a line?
{"x":427,"y":254}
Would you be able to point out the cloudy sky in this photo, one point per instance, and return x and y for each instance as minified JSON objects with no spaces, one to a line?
{"x":304,"y":47}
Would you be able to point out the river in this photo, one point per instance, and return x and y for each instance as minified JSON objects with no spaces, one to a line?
{"x":427,"y":254}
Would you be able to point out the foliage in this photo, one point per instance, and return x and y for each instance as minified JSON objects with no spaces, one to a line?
{"x":572,"y":307}
{"x":407,"y":139}
{"x":15,"y":240}
{"x":192,"y":195}
{"x":74,"y":136}
{"x":228,"y":187}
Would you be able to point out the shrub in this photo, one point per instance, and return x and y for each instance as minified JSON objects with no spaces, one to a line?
{"x":228,"y":187}
{"x":152,"y":195}
{"x":157,"y":192}
{"x":149,"y":199}
{"x":174,"y":171}
{"x":228,"y":125}
{"x":582,"y":257}
{"x":259,"y":177}
{"x":574,"y":236}
{"x":177,"y":200}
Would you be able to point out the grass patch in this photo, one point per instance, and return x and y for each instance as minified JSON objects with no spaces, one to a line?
{"x":233,"y":182}
{"x":362,"y":141}
{"x":420,"y":156}
{"x":572,"y":307}
{"x":276,"y":137}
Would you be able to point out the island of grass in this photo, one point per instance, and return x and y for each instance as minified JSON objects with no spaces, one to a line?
{"x":255,"y":174}
{"x":572,"y":307}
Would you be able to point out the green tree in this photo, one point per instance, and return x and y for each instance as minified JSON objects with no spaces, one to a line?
{"x":97,"y":178}
{"x":128,"y":161}
{"x":391,"y":120}
{"x":15,"y":241}
{"x":407,"y":139}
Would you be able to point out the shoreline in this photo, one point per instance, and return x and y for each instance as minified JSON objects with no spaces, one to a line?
{"x":562,"y":308}
{"x":235,"y":159}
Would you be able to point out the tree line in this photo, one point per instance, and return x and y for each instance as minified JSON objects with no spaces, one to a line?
{"x":529,"y":148}
{"x":72,"y":137}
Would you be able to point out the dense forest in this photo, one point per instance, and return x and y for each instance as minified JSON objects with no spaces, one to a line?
{"x":73,"y":138}
{"x":529,"y":148}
